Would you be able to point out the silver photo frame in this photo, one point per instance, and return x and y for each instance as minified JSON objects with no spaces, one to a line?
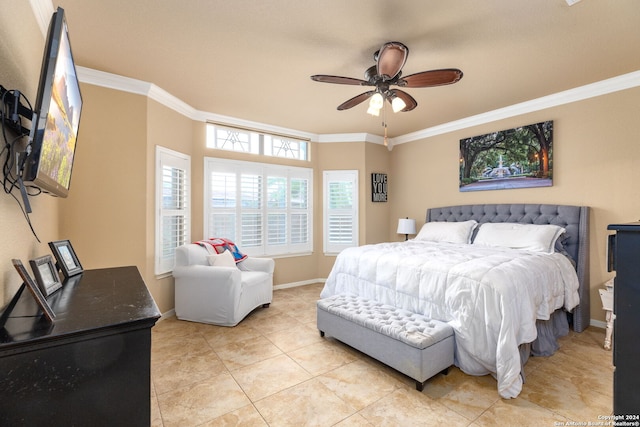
{"x":46,"y":274}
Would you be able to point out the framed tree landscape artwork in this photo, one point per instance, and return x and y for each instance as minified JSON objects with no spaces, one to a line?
{"x":515,"y":158}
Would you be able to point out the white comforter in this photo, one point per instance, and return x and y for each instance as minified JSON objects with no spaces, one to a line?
{"x":490,"y":296}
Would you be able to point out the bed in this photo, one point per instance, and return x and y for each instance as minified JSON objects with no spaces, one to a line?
{"x":503,"y":304}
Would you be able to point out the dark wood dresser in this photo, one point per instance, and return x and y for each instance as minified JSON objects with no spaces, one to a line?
{"x":624,"y":258}
{"x":91,"y":366}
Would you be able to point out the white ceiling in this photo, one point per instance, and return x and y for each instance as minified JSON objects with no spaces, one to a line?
{"x":251,"y":59}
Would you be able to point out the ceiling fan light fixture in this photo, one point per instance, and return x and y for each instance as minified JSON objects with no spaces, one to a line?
{"x":373,"y":111}
{"x":375,"y":104}
{"x":377,"y":101}
{"x":397,"y":104}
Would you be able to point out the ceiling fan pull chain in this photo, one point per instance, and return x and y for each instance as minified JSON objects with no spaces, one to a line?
{"x":384,"y":125}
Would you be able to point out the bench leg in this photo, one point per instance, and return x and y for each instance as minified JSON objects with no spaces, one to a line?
{"x":266,"y":305}
{"x":321,"y":334}
{"x":420,"y":385}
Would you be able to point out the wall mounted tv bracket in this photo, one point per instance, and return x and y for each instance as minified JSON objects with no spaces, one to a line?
{"x":15,"y":109}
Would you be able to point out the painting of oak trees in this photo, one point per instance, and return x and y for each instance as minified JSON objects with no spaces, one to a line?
{"x":513,"y":158}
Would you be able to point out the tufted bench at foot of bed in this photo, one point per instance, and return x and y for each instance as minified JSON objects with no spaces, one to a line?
{"x":410,"y":343}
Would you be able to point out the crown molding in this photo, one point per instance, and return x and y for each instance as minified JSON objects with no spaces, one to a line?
{"x":116,"y":82}
{"x":113,"y":81}
{"x":614,"y":84}
{"x":350,"y":137}
{"x":165,"y":98}
{"x":42,"y":11}
{"x":139,"y":87}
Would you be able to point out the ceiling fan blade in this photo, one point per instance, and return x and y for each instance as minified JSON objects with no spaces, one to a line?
{"x":391,"y":59}
{"x":445,"y":76}
{"x":410,"y":102}
{"x":339,"y":80}
{"x":356,"y":100}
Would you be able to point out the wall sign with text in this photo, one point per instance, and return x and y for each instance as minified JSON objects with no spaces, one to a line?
{"x":378,"y":187}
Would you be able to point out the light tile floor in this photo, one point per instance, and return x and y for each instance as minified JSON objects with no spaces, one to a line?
{"x":274,"y":369}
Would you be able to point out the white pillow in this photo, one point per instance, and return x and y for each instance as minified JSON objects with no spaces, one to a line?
{"x":452,"y":232}
{"x":529,"y":237}
{"x":225,"y":259}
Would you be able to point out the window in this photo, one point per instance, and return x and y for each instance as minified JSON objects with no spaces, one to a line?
{"x":340,"y":210}
{"x":173,"y":175}
{"x":248,"y":141}
{"x":265,"y":209}
{"x":279,"y":146}
{"x":232,"y":139}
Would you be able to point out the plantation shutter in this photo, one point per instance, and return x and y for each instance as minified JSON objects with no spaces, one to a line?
{"x":276,"y":210}
{"x":251,"y":226}
{"x":265,"y":209}
{"x":340,"y":210}
{"x":172,"y":204}
{"x":299,"y":215}
{"x":222,"y":212}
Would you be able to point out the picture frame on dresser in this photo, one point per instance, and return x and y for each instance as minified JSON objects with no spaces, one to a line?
{"x":35,"y":291}
{"x":46,"y":274}
{"x":67,"y":260}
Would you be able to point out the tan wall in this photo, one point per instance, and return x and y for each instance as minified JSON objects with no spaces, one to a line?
{"x":377,"y":214}
{"x":168,"y":129}
{"x":596,"y":163}
{"x":338,"y":156}
{"x":109,"y":215}
{"x":104,"y":216}
{"x":21,"y":49}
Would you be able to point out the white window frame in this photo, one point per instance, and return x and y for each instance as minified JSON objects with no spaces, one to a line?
{"x":238,"y":167}
{"x":330,"y":176}
{"x":257,"y":142}
{"x":165,"y":157}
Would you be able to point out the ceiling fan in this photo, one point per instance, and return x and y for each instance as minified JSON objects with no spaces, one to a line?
{"x":386,"y":73}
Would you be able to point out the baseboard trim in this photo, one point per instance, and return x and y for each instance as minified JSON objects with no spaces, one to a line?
{"x":296,"y":284}
{"x":598,"y":323}
{"x":168,"y":314}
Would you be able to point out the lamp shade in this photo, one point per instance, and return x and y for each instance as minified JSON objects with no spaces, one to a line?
{"x":406,"y":226}
{"x":373,"y":111}
{"x":376,"y":101}
{"x":397,"y":104}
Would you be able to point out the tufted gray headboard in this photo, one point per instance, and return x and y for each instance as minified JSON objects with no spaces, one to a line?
{"x":575,"y":219}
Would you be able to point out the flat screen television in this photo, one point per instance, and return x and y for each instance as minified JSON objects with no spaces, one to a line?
{"x":56,"y":116}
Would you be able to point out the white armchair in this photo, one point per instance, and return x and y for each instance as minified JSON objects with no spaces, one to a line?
{"x":219,"y":295}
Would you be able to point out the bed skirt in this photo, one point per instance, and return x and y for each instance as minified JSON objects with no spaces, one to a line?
{"x":549,"y":331}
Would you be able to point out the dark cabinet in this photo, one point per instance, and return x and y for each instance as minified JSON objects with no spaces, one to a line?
{"x":91,"y":366}
{"x":624,"y":258}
